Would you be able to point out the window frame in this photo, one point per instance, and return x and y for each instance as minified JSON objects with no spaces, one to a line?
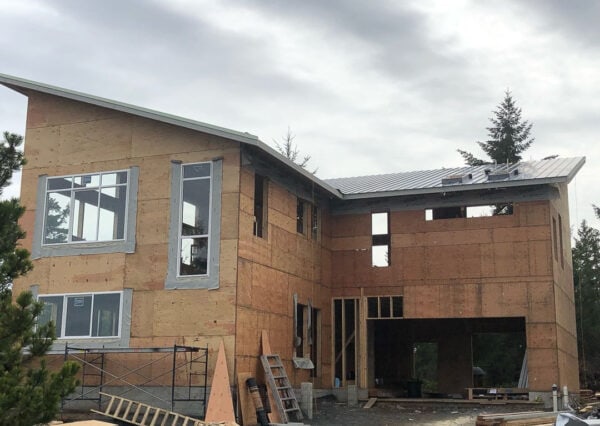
{"x":210,"y":280}
{"x":70,"y":248}
{"x":63,"y":321}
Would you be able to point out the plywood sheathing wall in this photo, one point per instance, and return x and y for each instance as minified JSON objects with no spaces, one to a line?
{"x":497,"y":266}
{"x":270,"y":271}
{"x":67,"y":137}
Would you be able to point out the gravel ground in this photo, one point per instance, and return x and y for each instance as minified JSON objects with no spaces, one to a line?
{"x":329,"y":412}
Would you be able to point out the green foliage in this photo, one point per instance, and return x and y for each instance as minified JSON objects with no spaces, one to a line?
{"x":29,"y":392}
{"x":508,"y":135}
{"x":586,"y":276}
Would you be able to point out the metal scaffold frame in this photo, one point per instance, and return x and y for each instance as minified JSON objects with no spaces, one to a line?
{"x":96,"y":375}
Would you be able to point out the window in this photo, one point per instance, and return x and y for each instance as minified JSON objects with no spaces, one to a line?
{"x":315,"y":223}
{"x":555,"y":239}
{"x":380,"y":250}
{"x":194,"y":231}
{"x":195,"y":219}
{"x":85,"y":208}
{"x":260,"y":206}
{"x":560,"y":239}
{"x":83,"y":315}
{"x":86,"y":214}
{"x":300,"y":210}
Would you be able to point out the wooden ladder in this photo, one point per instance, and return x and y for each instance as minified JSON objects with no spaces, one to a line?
{"x":280,"y":387}
{"x":144,"y":415}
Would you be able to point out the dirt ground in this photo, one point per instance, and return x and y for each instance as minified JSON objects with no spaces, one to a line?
{"x":329,"y":412}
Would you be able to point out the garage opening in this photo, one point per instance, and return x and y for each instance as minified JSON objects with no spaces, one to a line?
{"x":441,"y":358}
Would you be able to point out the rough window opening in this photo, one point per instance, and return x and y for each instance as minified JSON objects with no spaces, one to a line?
{"x":300,"y":210}
{"x":346,"y":341}
{"x":315,"y":223}
{"x":555,"y":239}
{"x":384,"y":307}
{"x":455,"y":212}
{"x":560,"y":239}
{"x":260,"y":206}
{"x":380,"y":231}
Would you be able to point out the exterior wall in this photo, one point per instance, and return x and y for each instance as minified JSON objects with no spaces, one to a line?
{"x":497,"y":266}
{"x":270,"y":271}
{"x":67,"y":137}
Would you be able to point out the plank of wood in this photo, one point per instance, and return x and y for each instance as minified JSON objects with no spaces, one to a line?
{"x":246,"y":405}
{"x":370,"y":402}
{"x":220,"y":402}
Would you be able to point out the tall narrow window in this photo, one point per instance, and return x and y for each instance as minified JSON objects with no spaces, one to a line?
{"x":555,"y":239}
{"x":194,"y":219}
{"x":260,"y":206}
{"x":380,"y":249}
{"x":560,"y":239}
{"x":300,"y":222}
{"x":315,"y":225}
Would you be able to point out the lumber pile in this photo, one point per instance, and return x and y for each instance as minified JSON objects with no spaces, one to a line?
{"x":529,"y":418}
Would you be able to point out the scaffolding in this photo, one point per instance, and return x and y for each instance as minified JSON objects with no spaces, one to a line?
{"x":144,"y":374}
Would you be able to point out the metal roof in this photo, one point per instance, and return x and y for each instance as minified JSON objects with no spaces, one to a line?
{"x":396,"y":184}
{"x":467,"y":178}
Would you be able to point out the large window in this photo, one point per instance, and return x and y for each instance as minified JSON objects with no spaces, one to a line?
{"x":195,"y":219}
{"x":85,"y":208}
{"x":83,"y":315}
{"x":194,"y":229}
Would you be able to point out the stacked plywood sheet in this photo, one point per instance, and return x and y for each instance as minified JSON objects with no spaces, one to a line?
{"x":530,"y":418}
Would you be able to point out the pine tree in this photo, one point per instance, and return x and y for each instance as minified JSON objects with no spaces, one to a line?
{"x":29,"y":392}
{"x":508,"y":136}
{"x":586,"y":277}
{"x":289,"y":149}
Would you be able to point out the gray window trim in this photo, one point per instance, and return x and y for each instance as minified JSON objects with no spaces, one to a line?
{"x":122,"y":246}
{"x":211,"y":280}
{"x":98,"y":342}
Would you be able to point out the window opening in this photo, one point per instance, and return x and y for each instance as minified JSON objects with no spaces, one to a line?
{"x":456,"y":212}
{"x":195,"y":219}
{"x":315,"y":225}
{"x":384,"y":307}
{"x":380,"y":250}
{"x":555,"y":239}
{"x":346,"y":343}
{"x":560,"y":238}
{"x":260,"y":206}
{"x":300,"y":206}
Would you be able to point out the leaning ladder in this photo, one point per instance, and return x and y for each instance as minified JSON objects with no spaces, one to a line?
{"x":144,"y":415}
{"x":285,"y":400}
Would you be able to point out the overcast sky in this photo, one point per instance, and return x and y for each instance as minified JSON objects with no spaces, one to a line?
{"x":367,"y":87}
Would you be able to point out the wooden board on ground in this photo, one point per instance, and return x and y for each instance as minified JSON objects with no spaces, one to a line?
{"x":371,"y":402}
{"x":532,"y":418}
{"x":247,"y":408}
{"x":220,"y":402}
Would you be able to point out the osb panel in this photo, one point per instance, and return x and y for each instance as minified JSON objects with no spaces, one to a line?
{"x":212,"y":314}
{"x":569,"y":371}
{"x":351,"y":243}
{"x":244,"y":282}
{"x":566,"y":341}
{"x":540,"y":258}
{"x":48,"y":110}
{"x":229,"y":216}
{"x":40,"y":275}
{"x":94,"y":141}
{"x":281,"y":200}
{"x":246,"y":204}
{"x":534,"y":213}
{"x":422,"y":302}
{"x":153,"y":221}
{"x":27,"y":222}
{"x":142,"y":313}
{"x":246,"y":184}
{"x":541,"y":336}
{"x":281,"y":220}
{"x":511,"y":259}
{"x":351,"y":225}
{"x":452,"y":238}
{"x":154,"y":178}
{"x":42,"y":146}
{"x":542,"y":365}
{"x":151,"y":137}
{"x":87,"y":273}
{"x":146,"y":269}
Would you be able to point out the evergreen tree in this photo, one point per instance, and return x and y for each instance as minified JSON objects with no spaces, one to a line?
{"x":29,"y":392}
{"x":289,"y":149}
{"x":508,"y":136}
{"x":586,"y":276}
